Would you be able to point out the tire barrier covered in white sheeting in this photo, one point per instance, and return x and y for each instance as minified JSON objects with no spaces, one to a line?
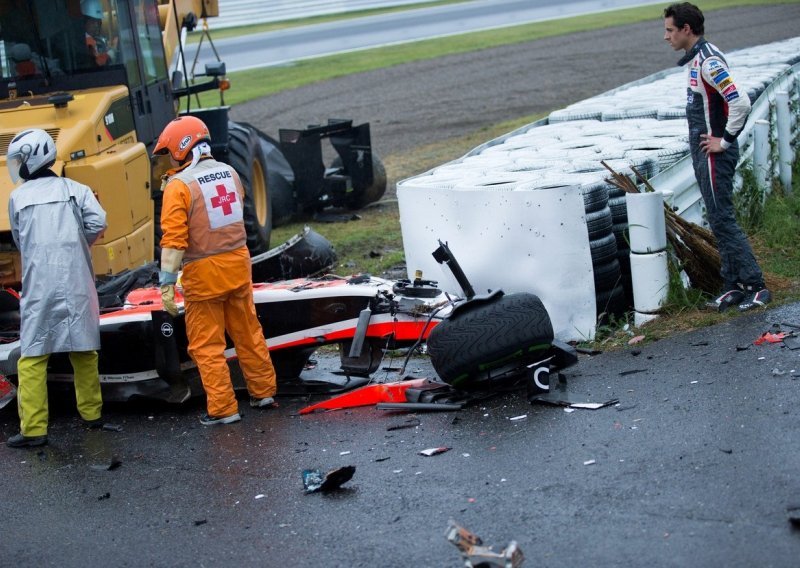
{"x":522,"y":213}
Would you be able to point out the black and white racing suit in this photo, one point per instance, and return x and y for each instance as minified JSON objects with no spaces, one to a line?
{"x":717,"y":106}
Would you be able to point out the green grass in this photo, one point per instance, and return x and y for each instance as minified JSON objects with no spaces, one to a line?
{"x":247,"y":85}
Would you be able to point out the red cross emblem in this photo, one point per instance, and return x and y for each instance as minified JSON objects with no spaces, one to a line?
{"x":224,"y":199}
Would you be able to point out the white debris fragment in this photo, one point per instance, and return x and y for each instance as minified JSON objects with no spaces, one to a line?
{"x":520,"y":417}
{"x":345,"y":453}
{"x":589,"y":462}
{"x":433,"y":451}
{"x":260,"y":496}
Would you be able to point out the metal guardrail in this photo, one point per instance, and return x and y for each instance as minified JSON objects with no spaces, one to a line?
{"x":234,"y":13}
{"x":679,"y":179}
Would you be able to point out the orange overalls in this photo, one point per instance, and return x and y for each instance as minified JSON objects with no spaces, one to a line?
{"x":100,"y":58}
{"x":202,"y":215}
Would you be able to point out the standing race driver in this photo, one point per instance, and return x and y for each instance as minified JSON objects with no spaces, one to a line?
{"x":203,"y":227}
{"x":716,"y":110}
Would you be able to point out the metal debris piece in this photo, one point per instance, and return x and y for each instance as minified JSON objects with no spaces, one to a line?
{"x":109,"y":427}
{"x":768,"y":337}
{"x":794,"y":516}
{"x":792,"y":342}
{"x":588,"y":351}
{"x":200,"y":522}
{"x":313,"y":480}
{"x":434,"y":451}
{"x":409,"y":423}
{"x":475,"y":555}
{"x":631,"y":372}
{"x":112,"y":464}
{"x":7,"y":391}
{"x":563,"y":399}
{"x":105,"y":495}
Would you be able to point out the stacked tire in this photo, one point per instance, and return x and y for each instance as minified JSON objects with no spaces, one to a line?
{"x":609,"y":291}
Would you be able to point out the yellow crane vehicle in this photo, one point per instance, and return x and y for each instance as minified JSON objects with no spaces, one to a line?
{"x":103,"y":78}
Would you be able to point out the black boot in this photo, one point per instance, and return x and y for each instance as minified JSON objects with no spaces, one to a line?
{"x":20,"y":441}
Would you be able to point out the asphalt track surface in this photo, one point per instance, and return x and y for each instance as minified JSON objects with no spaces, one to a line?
{"x":697,"y":466}
{"x":413,"y":24}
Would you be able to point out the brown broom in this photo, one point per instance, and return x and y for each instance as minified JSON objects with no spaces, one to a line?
{"x":695,"y":246}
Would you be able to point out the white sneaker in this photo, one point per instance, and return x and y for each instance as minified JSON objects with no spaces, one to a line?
{"x":267,"y":402}
{"x":207,"y":420}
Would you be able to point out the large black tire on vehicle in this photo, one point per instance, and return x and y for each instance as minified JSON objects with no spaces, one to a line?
{"x":280,"y":178}
{"x":246,"y":156}
{"x":484,"y":336}
{"x":374,"y":192}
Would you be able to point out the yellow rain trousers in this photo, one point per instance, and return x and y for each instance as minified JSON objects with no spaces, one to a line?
{"x":32,"y":392}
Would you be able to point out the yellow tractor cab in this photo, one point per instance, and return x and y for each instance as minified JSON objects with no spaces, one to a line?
{"x":103,"y":78}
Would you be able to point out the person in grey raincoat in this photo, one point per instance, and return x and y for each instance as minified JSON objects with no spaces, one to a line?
{"x":54,"y":221}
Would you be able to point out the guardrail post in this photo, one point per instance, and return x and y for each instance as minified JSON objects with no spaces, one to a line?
{"x":784,"y":123}
{"x":761,"y":153}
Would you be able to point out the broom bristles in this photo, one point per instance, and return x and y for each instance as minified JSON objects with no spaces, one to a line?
{"x":695,"y":246}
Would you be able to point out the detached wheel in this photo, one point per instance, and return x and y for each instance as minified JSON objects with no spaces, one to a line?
{"x":247,"y":158}
{"x":372,"y":193}
{"x":480,"y":340}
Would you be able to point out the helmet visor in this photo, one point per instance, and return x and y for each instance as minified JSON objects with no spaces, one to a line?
{"x":14,"y":162}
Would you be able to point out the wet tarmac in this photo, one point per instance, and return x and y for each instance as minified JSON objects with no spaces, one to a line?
{"x":697,"y":465}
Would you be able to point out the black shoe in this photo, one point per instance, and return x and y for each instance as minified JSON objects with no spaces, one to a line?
{"x":726,"y":300}
{"x":96,"y":424}
{"x":20,"y":441}
{"x":756,"y":300}
{"x":207,"y":420}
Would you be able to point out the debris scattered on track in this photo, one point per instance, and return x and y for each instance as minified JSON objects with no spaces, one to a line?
{"x":474,"y":553}
{"x":314,"y":480}
{"x":434,"y":451}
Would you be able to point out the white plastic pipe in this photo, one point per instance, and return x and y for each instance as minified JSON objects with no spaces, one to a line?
{"x":650,"y":278}
{"x":785,"y":154}
{"x":646,"y":221}
{"x":761,"y":153}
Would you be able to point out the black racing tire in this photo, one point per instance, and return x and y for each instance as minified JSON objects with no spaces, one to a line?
{"x":599,"y":223}
{"x":611,"y":303}
{"x":606,"y":276}
{"x":619,"y":209}
{"x":372,"y":193}
{"x":489,"y":335}
{"x":247,"y":158}
{"x":603,"y":250}
{"x":595,"y":197}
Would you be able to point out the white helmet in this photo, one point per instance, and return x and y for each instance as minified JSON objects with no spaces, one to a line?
{"x":92,"y":9}
{"x":29,"y":152}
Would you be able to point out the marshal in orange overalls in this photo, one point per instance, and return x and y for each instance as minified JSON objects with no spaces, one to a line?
{"x":202,"y":216}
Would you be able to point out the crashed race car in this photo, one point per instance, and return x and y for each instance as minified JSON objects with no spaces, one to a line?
{"x":475,"y":342}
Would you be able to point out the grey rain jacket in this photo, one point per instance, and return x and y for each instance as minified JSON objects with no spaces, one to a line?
{"x":54,"y":221}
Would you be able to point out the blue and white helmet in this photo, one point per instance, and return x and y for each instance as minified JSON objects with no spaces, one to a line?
{"x":29,"y":152}
{"x":92,"y":9}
